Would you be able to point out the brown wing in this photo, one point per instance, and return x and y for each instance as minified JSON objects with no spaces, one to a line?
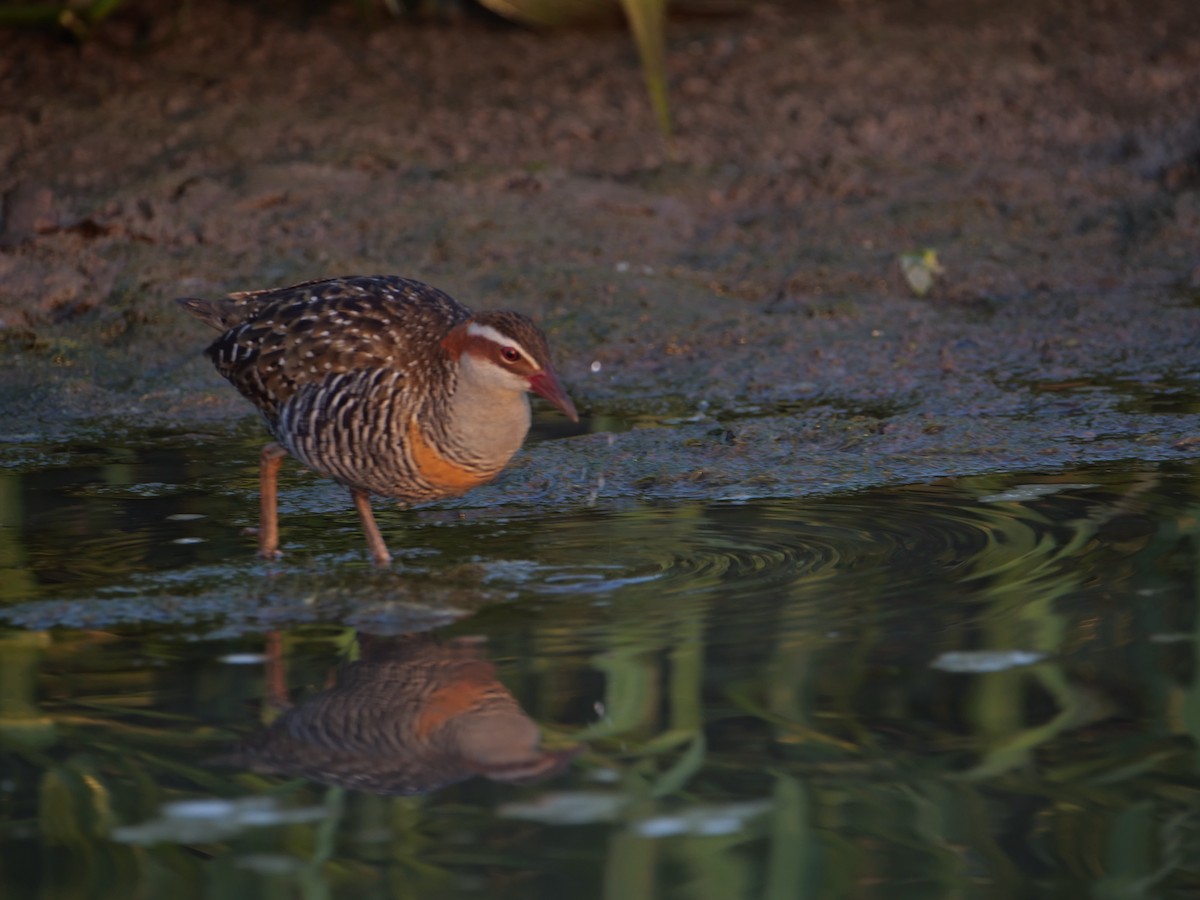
{"x":287,"y":338}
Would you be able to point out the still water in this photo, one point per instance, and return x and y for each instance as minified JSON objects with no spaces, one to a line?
{"x":981,"y":687}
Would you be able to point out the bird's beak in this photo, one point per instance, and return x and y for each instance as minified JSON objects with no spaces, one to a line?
{"x":546,"y":383}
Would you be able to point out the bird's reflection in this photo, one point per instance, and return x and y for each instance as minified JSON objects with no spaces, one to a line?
{"x":411,"y":716}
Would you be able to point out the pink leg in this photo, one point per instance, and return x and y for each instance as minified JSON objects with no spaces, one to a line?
{"x":379,"y":550}
{"x":268,"y":524}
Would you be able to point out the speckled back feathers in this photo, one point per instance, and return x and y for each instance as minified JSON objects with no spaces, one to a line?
{"x":277,"y":341}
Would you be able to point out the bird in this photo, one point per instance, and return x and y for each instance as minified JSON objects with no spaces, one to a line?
{"x":386,"y":385}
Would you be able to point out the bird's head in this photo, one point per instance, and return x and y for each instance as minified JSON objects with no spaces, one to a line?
{"x":509,"y":352}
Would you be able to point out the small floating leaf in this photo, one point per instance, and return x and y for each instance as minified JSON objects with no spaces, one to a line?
{"x":568,"y":808}
{"x":214,"y":819}
{"x":1022,"y":493}
{"x":708,"y":820}
{"x":920,"y":270}
{"x":977,"y":662}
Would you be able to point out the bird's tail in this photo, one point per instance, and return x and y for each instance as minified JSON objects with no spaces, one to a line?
{"x":220,"y":314}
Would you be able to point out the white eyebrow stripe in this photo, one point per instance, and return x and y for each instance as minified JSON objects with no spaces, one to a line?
{"x":489,"y":333}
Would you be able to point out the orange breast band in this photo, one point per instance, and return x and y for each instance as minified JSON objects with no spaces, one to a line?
{"x":436,"y":469}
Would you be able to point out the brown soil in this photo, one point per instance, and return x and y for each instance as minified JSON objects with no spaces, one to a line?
{"x":1049,"y":152}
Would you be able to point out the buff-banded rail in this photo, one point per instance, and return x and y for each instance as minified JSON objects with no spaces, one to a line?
{"x":386,"y":385}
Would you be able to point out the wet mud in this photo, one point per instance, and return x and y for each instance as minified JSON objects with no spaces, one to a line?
{"x":741,"y":302}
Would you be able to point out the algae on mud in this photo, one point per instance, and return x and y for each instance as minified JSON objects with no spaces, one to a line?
{"x":816,"y":146}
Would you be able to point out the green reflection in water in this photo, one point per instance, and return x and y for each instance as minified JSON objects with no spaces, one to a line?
{"x":975,"y":688}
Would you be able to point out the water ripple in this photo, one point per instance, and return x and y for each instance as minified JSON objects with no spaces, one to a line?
{"x":901,"y":535}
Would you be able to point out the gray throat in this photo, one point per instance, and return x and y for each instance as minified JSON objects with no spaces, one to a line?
{"x":487,"y":422}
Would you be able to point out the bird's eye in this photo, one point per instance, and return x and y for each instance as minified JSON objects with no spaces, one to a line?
{"x":510,"y":355}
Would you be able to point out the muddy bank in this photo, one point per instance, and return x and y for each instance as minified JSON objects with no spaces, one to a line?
{"x":1051,"y":156}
